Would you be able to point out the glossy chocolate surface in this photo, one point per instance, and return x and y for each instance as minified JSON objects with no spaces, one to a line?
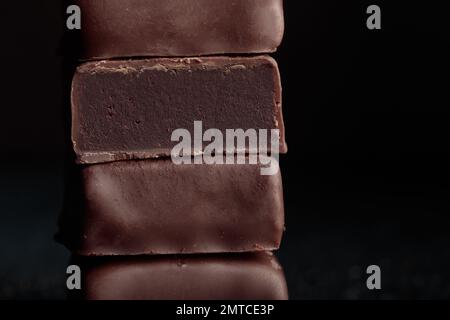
{"x":127,"y":28}
{"x":256,"y":276}
{"x":156,"y":207}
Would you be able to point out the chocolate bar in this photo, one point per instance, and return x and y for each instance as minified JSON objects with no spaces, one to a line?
{"x":157,"y":207}
{"x":125,"y":110}
{"x":124,"y":28}
{"x":256,"y":276}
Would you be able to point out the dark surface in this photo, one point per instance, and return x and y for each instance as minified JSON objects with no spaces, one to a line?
{"x":333,"y":234}
{"x":32,"y":264}
{"x":366,"y":177}
{"x":124,"y":28}
{"x":129,"y":109}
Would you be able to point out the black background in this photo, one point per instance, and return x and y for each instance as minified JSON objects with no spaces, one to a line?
{"x":366,"y":176}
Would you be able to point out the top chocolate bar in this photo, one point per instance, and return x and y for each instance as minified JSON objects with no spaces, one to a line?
{"x":131,"y":28}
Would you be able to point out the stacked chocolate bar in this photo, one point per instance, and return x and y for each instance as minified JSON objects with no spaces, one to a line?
{"x":148,"y":111}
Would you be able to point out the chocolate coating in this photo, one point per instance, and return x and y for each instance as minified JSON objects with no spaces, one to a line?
{"x":124,"y":28}
{"x":157,"y":207}
{"x":209,"y":277}
{"x":125,"y":110}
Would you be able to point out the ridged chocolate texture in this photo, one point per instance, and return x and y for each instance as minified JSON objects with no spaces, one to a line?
{"x":157,"y":207}
{"x":125,"y":28}
{"x":256,"y":276}
{"x":125,"y":110}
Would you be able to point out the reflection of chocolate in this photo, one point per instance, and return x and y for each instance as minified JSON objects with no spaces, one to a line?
{"x":123,"y":28}
{"x":157,"y":207}
{"x":129,"y":109}
{"x":210,"y":277}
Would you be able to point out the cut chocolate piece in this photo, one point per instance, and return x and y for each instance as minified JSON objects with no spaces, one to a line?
{"x":124,"y":28}
{"x":208,"y":277}
{"x":125,"y":110}
{"x":157,"y":207}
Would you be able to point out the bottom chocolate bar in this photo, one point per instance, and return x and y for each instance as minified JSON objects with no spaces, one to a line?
{"x":157,"y":207}
{"x":254,"y":276}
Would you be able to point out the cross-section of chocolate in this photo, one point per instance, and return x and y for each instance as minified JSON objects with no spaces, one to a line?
{"x":125,"y":110}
